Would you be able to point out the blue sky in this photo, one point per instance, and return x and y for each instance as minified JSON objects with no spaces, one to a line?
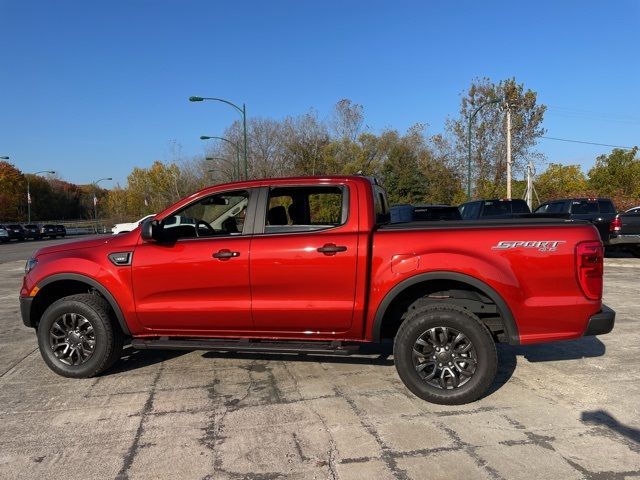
{"x":92,"y":89}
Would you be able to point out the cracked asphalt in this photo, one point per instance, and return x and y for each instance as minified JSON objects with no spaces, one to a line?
{"x":565,"y":410}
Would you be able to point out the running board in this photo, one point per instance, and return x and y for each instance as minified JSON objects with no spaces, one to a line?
{"x":260,"y":346}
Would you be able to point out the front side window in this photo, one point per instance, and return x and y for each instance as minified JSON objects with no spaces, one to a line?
{"x":305,"y":209}
{"x":222,"y":214}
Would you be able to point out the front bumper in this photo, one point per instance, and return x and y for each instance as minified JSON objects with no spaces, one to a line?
{"x":25,"y":310}
{"x":602,"y":322}
{"x":625,"y":240}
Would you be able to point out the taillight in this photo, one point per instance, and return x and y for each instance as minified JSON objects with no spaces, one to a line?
{"x":589,"y":268}
{"x":615,"y":225}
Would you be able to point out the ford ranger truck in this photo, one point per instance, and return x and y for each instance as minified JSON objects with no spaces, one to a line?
{"x":312,"y":265}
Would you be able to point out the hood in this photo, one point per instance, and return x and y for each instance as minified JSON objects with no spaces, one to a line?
{"x":123,"y":239}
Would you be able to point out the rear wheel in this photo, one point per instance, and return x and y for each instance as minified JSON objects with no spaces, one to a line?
{"x":444,"y":354}
{"x":77,"y":338}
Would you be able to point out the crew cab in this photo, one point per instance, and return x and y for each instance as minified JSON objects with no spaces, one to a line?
{"x":311,"y":264}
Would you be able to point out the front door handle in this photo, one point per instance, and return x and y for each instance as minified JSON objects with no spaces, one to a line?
{"x":332,"y":248}
{"x":225,"y":254}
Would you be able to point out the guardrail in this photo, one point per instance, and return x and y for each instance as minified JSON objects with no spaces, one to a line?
{"x":81,"y":227}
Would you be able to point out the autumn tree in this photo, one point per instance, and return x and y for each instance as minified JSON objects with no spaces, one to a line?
{"x":561,"y":181}
{"x":488,"y":139}
{"x":12,"y":192}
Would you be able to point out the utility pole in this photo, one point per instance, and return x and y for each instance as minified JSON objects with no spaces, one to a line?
{"x":529,"y":192}
{"x":508,"y":151}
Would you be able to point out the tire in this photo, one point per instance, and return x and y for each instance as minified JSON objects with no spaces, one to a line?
{"x":425,"y":327}
{"x":107,"y":338}
{"x":635,"y":251}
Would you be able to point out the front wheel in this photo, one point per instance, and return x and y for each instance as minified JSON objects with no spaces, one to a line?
{"x":444,"y":354}
{"x":77,"y":338}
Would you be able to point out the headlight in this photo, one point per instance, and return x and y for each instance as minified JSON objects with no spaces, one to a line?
{"x":31,"y":263}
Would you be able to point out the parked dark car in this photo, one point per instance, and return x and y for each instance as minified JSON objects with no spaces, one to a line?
{"x":599,"y":211}
{"x":436,"y":212}
{"x":61,"y":231}
{"x":493,"y":209}
{"x":32,"y":231}
{"x":4,"y":234}
{"x":625,"y":230}
{"x":48,"y":230}
{"x":16,"y":232}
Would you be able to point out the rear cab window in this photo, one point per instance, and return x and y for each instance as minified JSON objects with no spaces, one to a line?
{"x":584,"y":207}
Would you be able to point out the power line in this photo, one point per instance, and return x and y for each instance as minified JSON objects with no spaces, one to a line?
{"x":587,"y":143}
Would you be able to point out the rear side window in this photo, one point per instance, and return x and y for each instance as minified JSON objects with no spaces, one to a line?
{"x":519,"y":206}
{"x":584,"y":207}
{"x":606,"y":206}
{"x":305,"y":209}
{"x":542,"y":208}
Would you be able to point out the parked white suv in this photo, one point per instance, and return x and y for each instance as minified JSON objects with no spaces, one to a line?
{"x":127,"y":227}
{"x":4,"y":235}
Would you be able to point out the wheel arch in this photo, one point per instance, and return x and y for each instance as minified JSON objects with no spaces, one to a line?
{"x":383,"y":309}
{"x":67,"y":281}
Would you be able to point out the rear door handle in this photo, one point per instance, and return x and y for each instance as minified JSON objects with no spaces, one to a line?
{"x":331,"y":249}
{"x":225,"y":254}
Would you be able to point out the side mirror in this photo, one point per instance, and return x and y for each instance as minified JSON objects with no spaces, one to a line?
{"x":150,"y":230}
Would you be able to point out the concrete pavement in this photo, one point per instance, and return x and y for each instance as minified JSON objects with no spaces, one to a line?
{"x":565,"y":410}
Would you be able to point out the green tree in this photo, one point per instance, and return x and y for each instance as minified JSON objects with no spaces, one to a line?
{"x":403,"y":179}
{"x":617,"y":175}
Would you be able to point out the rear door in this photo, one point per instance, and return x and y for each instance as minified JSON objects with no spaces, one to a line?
{"x":304,"y":259}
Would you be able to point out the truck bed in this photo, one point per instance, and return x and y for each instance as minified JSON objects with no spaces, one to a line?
{"x":508,"y":222}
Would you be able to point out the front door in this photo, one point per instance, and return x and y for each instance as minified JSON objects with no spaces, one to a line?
{"x":197,"y":279}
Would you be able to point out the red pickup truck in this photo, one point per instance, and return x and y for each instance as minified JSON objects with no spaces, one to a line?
{"x":312,"y":265}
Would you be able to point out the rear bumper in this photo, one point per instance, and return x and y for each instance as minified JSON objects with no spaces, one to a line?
{"x":602,"y":322}
{"x":25,"y":310}
{"x":624,"y":240}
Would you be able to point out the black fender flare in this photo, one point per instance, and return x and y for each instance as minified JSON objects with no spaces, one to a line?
{"x":510,"y":325}
{"x":94,"y":284}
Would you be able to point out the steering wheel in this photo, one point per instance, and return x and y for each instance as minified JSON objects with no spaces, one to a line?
{"x":208,"y":227}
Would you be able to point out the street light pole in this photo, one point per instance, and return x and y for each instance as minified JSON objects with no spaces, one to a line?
{"x":29,"y":192}
{"x":243,"y":112}
{"x":237,"y":147}
{"x":508,"y":152}
{"x":473,"y":115}
{"x":95,"y":200}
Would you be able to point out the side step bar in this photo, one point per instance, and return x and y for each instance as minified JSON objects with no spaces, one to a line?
{"x":260,"y":346}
